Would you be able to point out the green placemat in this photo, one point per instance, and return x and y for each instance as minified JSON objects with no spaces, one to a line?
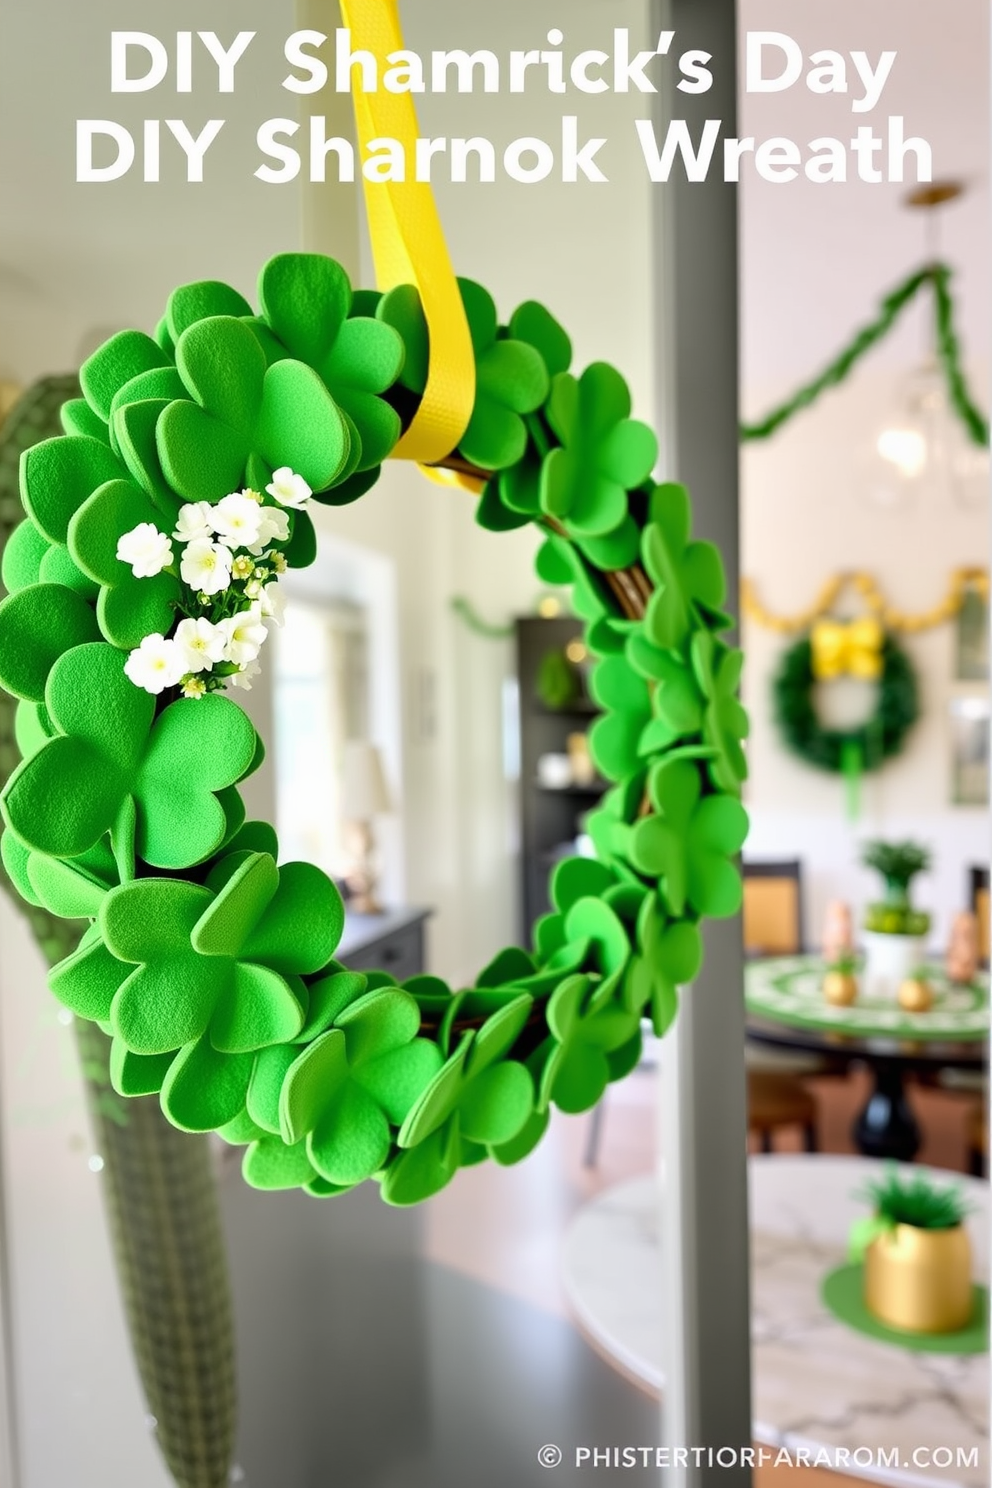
{"x":843,"y":1293}
{"x":789,"y":989}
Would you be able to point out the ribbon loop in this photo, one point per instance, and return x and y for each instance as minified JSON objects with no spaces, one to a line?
{"x":408,"y":244}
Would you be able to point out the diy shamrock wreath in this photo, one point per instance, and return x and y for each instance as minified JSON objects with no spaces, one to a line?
{"x":834,"y":648}
{"x":142,"y":583}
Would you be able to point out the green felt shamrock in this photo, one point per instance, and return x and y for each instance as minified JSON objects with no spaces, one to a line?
{"x":479,"y":1098}
{"x":128,"y":608}
{"x":109,"y":749}
{"x":689,"y":841}
{"x":684,"y":572}
{"x":39,"y":624}
{"x":678,"y":698}
{"x":307,"y":300}
{"x":511,"y":377}
{"x":223,"y":959}
{"x":357,"y":1079}
{"x":725,"y":723}
{"x":591,"y":1043}
{"x":604,"y":453}
{"x":115,"y":364}
{"x":670,"y":955}
{"x":242,"y":411}
{"x":615,"y":739}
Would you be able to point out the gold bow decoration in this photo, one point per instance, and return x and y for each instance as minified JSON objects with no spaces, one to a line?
{"x":853,"y":648}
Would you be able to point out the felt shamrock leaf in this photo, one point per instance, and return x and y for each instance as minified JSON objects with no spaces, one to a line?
{"x":117,"y":362}
{"x":725,"y":722}
{"x":29,"y":558}
{"x":307,"y":299}
{"x":678,"y":699}
{"x":511,"y":378}
{"x":39,"y":624}
{"x":358,"y":1079}
{"x":603,"y":454}
{"x":192,"y":302}
{"x":620,"y":737}
{"x":224,"y":959}
{"x":590,"y":1045}
{"x":532,"y":323}
{"x":670,"y":955}
{"x":479,"y":1097}
{"x":109,"y":750}
{"x":128,"y":608}
{"x":689,"y":841}
{"x":57,"y":475}
{"x":684,"y":572}
{"x":240,"y":409}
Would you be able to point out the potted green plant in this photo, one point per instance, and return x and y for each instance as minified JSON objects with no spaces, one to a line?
{"x":893,"y":930}
{"x":917,"y":1257}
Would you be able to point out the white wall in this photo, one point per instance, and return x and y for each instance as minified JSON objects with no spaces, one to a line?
{"x":804,"y":518}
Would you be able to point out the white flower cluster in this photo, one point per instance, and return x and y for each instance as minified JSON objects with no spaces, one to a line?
{"x":229,"y":565}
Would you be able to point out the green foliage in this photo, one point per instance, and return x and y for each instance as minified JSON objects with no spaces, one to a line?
{"x":916,"y":1201}
{"x":897,"y":862}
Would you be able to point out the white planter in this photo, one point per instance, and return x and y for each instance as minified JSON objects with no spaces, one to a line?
{"x":889,"y":960}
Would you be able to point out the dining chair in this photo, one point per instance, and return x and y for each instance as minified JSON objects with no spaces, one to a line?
{"x":978,"y":896}
{"x":773,"y":907}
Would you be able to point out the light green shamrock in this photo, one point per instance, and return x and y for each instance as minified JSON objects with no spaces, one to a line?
{"x":689,"y":841}
{"x":603,"y":453}
{"x":725,"y":723}
{"x":684,"y":572}
{"x":592,"y":1042}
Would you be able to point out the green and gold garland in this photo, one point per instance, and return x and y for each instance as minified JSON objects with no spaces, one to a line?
{"x":143,"y":580}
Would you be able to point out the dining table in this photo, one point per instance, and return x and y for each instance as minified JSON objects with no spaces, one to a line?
{"x":786,"y":1009}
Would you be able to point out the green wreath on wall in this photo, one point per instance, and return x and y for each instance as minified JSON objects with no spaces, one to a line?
{"x":143,"y":581}
{"x":866,"y":747}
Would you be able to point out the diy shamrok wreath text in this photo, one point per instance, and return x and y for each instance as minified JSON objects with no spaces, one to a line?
{"x":142,"y":582}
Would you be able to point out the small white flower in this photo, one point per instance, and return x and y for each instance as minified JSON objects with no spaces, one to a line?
{"x":243,"y":567}
{"x":288,"y":488}
{"x":273,"y":604}
{"x":253,"y":589}
{"x":274,"y":527}
{"x":244,"y":635}
{"x":200,"y":644}
{"x":155,"y":664}
{"x":194,"y":687}
{"x":206,"y":566}
{"x":243,"y":678}
{"x":194,"y":521}
{"x":237,"y":519}
{"x":146,"y":549}
{"x":278,"y":561}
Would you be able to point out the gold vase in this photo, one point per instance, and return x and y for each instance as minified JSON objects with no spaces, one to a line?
{"x":920,"y":1280}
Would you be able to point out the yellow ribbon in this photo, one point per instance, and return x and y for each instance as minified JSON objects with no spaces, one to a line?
{"x":408,"y":245}
{"x":854,"y":648}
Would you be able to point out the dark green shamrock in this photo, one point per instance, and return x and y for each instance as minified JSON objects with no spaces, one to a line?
{"x":479,"y":1098}
{"x":689,"y":841}
{"x":725,"y":723}
{"x":592,"y":1042}
{"x":110,"y":749}
{"x":307,"y":301}
{"x":245,"y":418}
{"x":684,"y":572}
{"x":604,"y":453}
{"x":357,"y":1079}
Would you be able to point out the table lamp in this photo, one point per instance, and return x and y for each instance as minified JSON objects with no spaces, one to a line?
{"x":364,"y":796}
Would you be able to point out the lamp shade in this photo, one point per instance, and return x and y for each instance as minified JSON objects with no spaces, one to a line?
{"x":363,"y":785}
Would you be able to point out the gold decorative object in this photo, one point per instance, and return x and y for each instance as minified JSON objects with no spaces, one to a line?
{"x":583,"y":769}
{"x":915,"y":995}
{"x":850,"y":647}
{"x":963,"y":951}
{"x":840,"y":988}
{"x":961,"y":581}
{"x":920,"y":1280}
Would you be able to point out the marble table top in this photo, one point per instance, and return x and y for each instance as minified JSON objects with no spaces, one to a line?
{"x":816,"y":1383}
